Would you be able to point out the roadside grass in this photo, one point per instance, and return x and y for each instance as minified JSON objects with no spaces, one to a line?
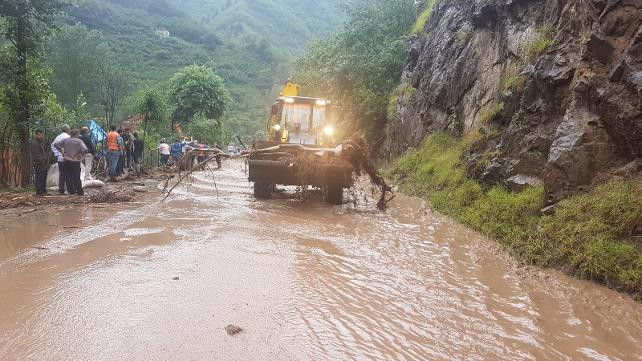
{"x":423,"y":18}
{"x":589,"y":235}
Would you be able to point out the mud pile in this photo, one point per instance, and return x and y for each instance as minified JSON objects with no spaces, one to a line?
{"x":113,"y":195}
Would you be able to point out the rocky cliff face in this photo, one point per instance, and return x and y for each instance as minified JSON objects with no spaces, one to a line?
{"x":550,"y":90}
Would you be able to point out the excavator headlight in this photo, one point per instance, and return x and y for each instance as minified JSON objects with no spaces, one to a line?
{"x":276,"y":127}
{"x":288,"y":100}
{"x":329,"y":131}
{"x":321,"y":102}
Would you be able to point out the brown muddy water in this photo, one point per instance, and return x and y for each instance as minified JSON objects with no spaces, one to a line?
{"x":304,"y":280}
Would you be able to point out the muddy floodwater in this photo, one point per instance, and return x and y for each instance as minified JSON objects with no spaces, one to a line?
{"x":305,"y":281}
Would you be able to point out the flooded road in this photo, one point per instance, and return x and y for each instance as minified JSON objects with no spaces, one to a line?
{"x":304,"y":280}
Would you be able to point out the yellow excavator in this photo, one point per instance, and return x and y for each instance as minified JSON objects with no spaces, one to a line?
{"x":297,"y":127}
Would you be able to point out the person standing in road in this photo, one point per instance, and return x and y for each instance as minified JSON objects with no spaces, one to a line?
{"x":59,"y":157}
{"x":137,"y":152}
{"x":113,"y":151}
{"x":39,"y":161}
{"x":89,"y":157}
{"x":165,"y":151}
{"x":201,"y":153}
{"x":219,"y":161}
{"x":127,"y":153}
{"x":120,"y":167}
{"x":73,"y":149}
{"x":177,"y":151}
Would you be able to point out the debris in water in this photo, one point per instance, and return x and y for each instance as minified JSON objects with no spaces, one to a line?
{"x":233,"y":330}
{"x":111,"y":196}
{"x":357,"y":152}
{"x":176,"y":278}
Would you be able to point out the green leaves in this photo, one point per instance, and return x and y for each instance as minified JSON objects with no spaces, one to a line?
{"x":152,"y":102}
{"x":197,"y":90}
{"x":74,"y":53}
{"x":28,"y":22}
{"x":361,"y":65}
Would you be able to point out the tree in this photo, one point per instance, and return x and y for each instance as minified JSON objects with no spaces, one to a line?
{"x":197,"y":91}
{"x":360,"y":66}
{"x":151,"y":102}
{"x":75,"y":53}
{"x":205,"y":130}
{"x":112,"y":87}
{"x":26,"y":23}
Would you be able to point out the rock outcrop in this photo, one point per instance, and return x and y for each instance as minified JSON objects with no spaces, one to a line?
{"x":551,"y":90}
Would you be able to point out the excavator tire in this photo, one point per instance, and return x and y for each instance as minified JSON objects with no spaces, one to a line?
{"x":334,"y":195}
{"x":263,"y":190}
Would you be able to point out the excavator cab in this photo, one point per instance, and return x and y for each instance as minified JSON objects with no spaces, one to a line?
{"x":301,"y":120}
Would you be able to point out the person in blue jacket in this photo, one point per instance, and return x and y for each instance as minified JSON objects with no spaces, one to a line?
{"x":177,"y":150}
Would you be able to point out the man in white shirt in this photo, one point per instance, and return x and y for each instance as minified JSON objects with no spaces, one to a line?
{"x":60,"y":158}
{"x":165,"y":151}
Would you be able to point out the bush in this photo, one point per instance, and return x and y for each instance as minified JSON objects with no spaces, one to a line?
{"x":589,"y":235}
{"x":512,"y":81}
{"x":542,"y":40}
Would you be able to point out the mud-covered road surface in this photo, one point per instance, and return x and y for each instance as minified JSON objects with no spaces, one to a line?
{"x":303,"y":280}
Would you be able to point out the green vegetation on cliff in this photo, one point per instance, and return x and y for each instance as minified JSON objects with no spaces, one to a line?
{"x":589,"y":235}
{"x":420,"y":23}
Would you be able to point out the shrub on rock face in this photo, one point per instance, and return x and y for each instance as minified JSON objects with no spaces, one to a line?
{"x":539,"y":43}
{"x":513,"y":81}
{"x":402,"y":92}
{"x":423,"y":18}
{"x":489,"y":111}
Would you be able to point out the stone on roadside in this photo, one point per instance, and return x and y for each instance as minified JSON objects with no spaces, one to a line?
{"x":233,"y":330}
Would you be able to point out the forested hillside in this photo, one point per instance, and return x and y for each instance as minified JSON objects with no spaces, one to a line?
{"x":284,"y":24}
{"x":249,"y":44}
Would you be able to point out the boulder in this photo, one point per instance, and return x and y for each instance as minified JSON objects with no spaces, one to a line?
{"x":518,"y":182}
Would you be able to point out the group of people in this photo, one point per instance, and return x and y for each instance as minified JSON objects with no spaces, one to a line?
{"x":124,"y":151}
{"x":72,"y":147}
{"x":175,"y":152}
